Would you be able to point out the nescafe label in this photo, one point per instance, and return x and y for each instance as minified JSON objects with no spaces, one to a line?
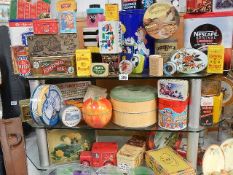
{"x":204,"y":35}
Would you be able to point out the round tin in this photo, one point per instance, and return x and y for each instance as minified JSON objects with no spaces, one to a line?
{"x":125,"y":67}
{"x":161,"y":20}
{"x":173,"y":114}
{"x":70,"y":116}
{"x":227,"y":88}
{"x":169,"y":68}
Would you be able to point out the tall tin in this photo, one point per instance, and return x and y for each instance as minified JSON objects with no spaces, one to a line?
{"x":135,"y":41}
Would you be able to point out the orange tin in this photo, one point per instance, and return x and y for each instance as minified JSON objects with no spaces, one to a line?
{"x":45,"y":26}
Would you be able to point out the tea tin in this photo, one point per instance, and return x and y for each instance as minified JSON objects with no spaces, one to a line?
{"x":45,"y":26}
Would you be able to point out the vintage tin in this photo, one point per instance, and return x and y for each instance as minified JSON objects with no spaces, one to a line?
{"x":206,"y":111}
{"x":53,"y":66}
{"x":161,"y":20}
{"x":215,"y":59}
{"x":126,"y":67}
{"x":24,"y":66}
{"x":45,"y":26}
{"x":56,"y":45}
{"x":138,"y":141}
{"x":220,"y":5}
{"x":166,"y":161}
{"x":156,"y":65}
{"x":180,"y":5}
{"x":129,"y":157}
{"x":113,"y":60}
{"x":70,"y":116}
{"x":110,"y":37}
{"x":133,"y":106}
{"x":111,"y":12}
{"x":95,"y":14}
{"x":199,"y":6}
{"x":99,"y":69}
{"x":210,"y":29}
{"x":165,"y":48}
{"x":138,"y":61}
{"x":136,"y":4}
{"x":66,"y":5}
{"x":90,"y":36}
{"x":217,"y":111}
{"x":173,"y":114}
{"x":67,"y":22}
{"x":136,"y":40}
{"x":173,"y":89}
{"x":169,"y":68}
{"x":25,"y":113}
{"x":19,"y":31}
{"x":210,"y":87}
{"x":83,"y":62}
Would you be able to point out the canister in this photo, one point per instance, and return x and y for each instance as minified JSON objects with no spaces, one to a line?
{"x":95,"y":14}
{"x":136,"y":40}
{"x":156,"y":65}
{"x":173,"y":114}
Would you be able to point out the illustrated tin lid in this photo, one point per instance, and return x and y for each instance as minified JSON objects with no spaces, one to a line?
{"x":161,"y":20}
{"x":133,"y":94}
{"x":213,"y":160}
{"x":227,"y":148}
{"x":95,"y":9}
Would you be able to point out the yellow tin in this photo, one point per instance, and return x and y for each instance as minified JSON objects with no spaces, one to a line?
{"x":83,"y":62}
{"x":111,"y":12}
{"x":66,"y":5}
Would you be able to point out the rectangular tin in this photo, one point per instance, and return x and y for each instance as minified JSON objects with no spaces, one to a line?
{"x":99,"y":69}
{"x":56,"y":45}
{"x":66,"y":5}
{"x":67,"y":22}
{"x":199,"y":6}
{"x":53,"y":66}
{"x":45,"y":26}
{"x":206,"y":113}
{"x":83,"y":62}
{"x":220,"y":5}
{"x":111,"y":12}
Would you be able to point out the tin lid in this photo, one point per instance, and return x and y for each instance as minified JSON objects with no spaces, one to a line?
{"x":95,"y":9}
{"x":133,"y":94}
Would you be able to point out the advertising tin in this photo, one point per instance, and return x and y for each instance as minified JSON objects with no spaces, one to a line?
{"x":53,"y":66}
{"x":136,"y":40}
{"x":99,"y":69}
{"x":206,"y":111}
{"x":83,"y":62}
{"x":113,"y":60}
{"x":173,"y":114}
{"x":213,"y":28}
{"x":67,"y":22}
{"x":90,"y":37}
{"x":45,"y":26}
{"x":199,"y":6}
{"x":66,"y":5}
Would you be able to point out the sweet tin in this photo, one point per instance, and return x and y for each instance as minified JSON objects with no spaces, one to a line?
{"x":67,"y":22}
{"x":45,"y":26}
{"x":110,"y":37}
{"x":190,"y":61}
{"x":90,"y":36}
{"x":83,"y":62}
{"x":173,"y":89}
{"x":173,"y":114}
{"x":56,"y":45}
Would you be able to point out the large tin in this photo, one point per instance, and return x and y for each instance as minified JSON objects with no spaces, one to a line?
{"x":166,"y":161}
{"x":110,"y":37}
{"x":45,"y":26}
{"x":53,"y":66}
{"x":56,"y":45}
{"x":136,"y":41}
{"x":173,"y":114}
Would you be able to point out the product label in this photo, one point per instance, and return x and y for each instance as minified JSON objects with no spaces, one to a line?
{"x":206,"y":112}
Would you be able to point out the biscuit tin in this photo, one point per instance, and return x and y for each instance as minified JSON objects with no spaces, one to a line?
{"x":45,"y":26}
{"x":53,"y":66}
{"x":67,"y":22}
{"x":56,"y":45}
{"x":99,"y":69}
{"x":66,"y":5}
{"x":213,"y":28}
{"x":111,"y":12}
{"x":166,"y":161}
{"x":173,"y":89}
{"x":161,"y":20}
{"x":173,"y":114}
{"x":110,"y":37}
{"x":83,"y":62}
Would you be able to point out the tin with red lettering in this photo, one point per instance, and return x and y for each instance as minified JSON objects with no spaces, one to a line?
{"x":45,"y":26}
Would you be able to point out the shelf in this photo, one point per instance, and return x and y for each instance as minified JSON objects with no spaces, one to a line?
{"x":113,"y":127}
{"x":115,"y":77}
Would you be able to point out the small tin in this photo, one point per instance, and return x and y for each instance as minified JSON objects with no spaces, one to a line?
{"x":83,"y":62}
{"x":53,"y":66}
{"x":45,"y":26}
{"x":113,"y":60}
{"x":67,"y":22}
{"x":136,"y":4}
{"x":95,"y":14}
{"x":169,"y":68}
{"x":138,"y":61}
{"x":220,"y":5}
{"x":25,"y":114}
{"x":111,"y":12}
{"x":206,"y":113}
{"x":24,"y":66}
{"x":126,"y":67}
{"x":210,"y":87}
{"x":199,"y":6}
{"x":156,"y":65}
{"x":99,"y":69}
{"x":173,"y":114}
{"x":66,"y":5}
{"x":70,"y":116}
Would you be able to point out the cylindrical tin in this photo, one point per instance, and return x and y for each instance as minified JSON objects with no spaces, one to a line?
{"x":136,"y":41}
{"x":156,"y":65}
{"x":172,"y":114}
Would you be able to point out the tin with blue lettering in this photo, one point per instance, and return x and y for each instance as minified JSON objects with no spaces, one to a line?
{"x":135,"y":41}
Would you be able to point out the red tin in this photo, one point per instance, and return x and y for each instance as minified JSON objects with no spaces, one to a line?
{"x":45,"y":26}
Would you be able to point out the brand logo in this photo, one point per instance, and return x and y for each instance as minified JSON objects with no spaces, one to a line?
{"x":24,"y":65}
{"x":98,"y":69}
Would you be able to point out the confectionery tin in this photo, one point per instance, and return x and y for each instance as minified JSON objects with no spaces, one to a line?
{"x":173,"y":114}
{"x":126,"y":67}
{"x":95,"y":14}
{"x":45,"y":26}
{"x":161,"y":20}
{"x":173,"y":89}
{"x":70,"y":116}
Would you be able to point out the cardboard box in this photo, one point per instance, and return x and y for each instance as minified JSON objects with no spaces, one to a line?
{"x":166,"y":161}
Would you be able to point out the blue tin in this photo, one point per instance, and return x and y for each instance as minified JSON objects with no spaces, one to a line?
{"x":136,"y":40}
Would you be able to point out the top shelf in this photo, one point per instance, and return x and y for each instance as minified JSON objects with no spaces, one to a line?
{"x":116,"y":77}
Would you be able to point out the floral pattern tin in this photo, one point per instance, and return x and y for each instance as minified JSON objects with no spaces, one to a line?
{"x":190,"y":61}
